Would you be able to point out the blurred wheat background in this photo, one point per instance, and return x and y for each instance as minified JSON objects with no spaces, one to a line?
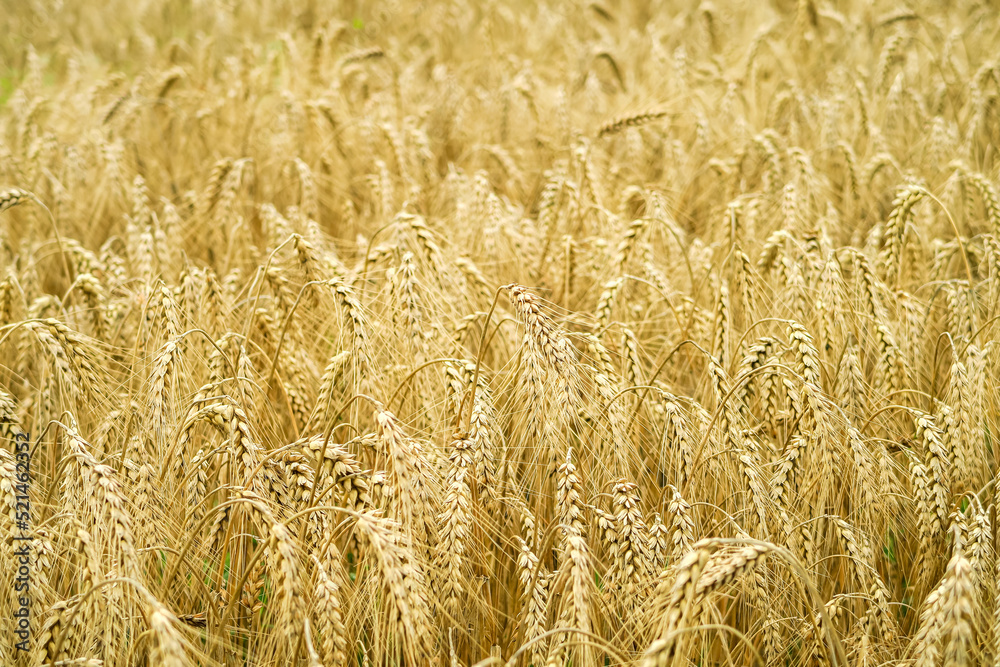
{"x":539,"y":333}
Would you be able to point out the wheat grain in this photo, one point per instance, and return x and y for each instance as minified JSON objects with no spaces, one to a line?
{"x":769,"y":312}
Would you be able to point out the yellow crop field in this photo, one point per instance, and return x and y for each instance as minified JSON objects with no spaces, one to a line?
{"x":501,"y":333}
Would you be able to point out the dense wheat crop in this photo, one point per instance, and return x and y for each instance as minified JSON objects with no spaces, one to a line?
{"x":647,"y":332}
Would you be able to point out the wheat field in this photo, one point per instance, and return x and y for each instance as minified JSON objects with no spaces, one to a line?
{"x":630,"y":332}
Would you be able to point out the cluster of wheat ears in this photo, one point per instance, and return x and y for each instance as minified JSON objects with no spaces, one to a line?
{"x":530,"y":333}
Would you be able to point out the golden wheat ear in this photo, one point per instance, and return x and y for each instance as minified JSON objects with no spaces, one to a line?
{"x":475,"y":333}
